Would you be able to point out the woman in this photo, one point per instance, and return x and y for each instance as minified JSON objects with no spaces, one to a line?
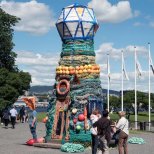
{"x":123,"y":135}
{"x":94,"y":117}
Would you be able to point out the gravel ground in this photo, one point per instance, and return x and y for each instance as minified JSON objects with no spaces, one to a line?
{"x":12,"y":141}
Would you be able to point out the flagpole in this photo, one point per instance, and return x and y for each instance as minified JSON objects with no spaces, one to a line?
{"x":149,"y":88}
{"x":122,"y":80}
{"x":108,"y":89}
{"x":135,"y":92}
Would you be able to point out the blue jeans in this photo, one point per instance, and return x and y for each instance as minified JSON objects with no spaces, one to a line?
{"x":94,"y":143}
{"x":33,"y":131}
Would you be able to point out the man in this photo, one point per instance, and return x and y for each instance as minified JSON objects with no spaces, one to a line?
{"x":13,"y":113}
{"x":104,"y":132}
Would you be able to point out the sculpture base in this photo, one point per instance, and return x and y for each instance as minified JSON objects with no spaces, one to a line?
{"x":48,"y":145}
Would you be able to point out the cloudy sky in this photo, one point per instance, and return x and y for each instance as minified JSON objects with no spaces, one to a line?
{"x":122,"y":25}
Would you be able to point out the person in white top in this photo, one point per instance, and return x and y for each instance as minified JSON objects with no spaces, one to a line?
{"x":94,"y":117}
{"x":123,"y":125}
{"x":14,"y":114}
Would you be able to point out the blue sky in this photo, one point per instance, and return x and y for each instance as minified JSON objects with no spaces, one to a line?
{"x":123,"y":24}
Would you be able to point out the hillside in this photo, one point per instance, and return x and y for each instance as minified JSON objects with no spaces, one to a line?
{"x":40,"y":89}
{"x":46,"y":89}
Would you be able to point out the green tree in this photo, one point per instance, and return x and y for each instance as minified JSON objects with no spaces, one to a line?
{"x":13,"y":82}
{"x":114,"y":101}
{"x":7,"y":56}
{"x":142,"y":99}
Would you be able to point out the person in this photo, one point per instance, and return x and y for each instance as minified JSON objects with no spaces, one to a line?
{"x":94,"y":117}
{"x":32,"y":115}
{"x":6,"y":115}
{"x":123,"y":125}
{"x":104,"y":132}
{"x":22,"y":114}
{"x":113,"y":129}
{"x":26,"y":116}
{"x":13,"y":113}
{"x":1,"y":116}
{"x":32,"y":121}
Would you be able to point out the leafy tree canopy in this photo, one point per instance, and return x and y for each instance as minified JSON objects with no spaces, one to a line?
{"x":129,"y":100}
{"x":13,"y":82}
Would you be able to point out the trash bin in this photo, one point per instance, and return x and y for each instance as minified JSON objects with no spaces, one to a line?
{"x":145,"y":125}
{"x":141,"y":125}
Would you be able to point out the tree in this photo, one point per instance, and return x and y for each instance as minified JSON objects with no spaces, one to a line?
{"x":13,"y":82}
{"x":7,"y":57}
{"x":142,"y":99}
{"x":114,"y":101}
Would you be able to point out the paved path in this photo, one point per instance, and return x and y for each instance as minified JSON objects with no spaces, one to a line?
{"x":12,"y":141}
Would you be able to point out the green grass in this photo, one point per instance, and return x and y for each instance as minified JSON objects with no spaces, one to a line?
{"x":142,"y":116}
{"x":41,"y":116}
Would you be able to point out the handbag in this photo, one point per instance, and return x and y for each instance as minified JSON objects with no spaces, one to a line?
{"x":117,"y":133}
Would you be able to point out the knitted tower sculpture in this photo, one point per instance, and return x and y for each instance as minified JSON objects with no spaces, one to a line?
{"x":78,"y":87}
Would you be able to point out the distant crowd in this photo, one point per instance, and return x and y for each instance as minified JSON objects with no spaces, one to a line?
{"x":11,"y":115}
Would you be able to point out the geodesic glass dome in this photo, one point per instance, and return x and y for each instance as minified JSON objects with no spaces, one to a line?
{"x":77,"y":22}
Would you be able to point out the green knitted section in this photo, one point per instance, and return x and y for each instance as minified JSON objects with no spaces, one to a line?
{"x":72,"y":148}
{"x":49,"y":123}
{"x":78,"y":47}
{"x":77,"y":60}
{"x":77,"y":53}
{"x":82,"y":136}
{"x":136,"y":140}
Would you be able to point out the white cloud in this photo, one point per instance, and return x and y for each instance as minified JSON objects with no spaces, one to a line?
{"x":137,"y":13}
{"x":30,"y":58}
{"x":115,"y":81}
{"x":107,"y":12}
{"x":139,"y":49}
{"x":35,"y":17}
{"x":148,"y":17}
{"x":41,"y":66}
{"x":137,"y":24}
{"x":151,"y":24}
{"x":115,"y":56}
{"x":107,"y":48}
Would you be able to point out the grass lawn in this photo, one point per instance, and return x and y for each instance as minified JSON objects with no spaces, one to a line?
{"x":41,"y":116}
{"x":142,"y":116}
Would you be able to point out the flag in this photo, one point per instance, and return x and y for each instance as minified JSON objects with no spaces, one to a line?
{"x":108,"y":68}
{"x":124,"y":68}
{"x":151,"y":64}
{"x":138,"y":68}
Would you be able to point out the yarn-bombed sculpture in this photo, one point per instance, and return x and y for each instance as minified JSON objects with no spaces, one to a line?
{"x":78,"y":87}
